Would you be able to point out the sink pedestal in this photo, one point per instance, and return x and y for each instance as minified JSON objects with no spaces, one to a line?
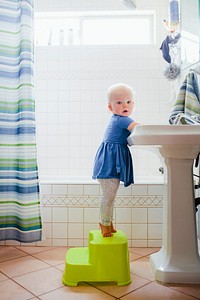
{"x":178,"y":260}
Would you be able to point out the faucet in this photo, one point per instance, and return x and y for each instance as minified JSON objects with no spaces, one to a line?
{"x":183,"y":118}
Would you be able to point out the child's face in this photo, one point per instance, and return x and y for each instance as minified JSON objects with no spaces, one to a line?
{"x":121,"y":103}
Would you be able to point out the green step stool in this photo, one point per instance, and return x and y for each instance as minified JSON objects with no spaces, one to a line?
{"x":105,"y":259}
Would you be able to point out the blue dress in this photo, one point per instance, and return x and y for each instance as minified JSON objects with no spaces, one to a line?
{"x":113,"y":158}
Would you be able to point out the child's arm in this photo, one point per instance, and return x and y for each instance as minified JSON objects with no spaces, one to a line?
{"x":132,"y":125}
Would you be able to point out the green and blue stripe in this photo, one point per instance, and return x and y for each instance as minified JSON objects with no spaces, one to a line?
{"x":20,"y":216}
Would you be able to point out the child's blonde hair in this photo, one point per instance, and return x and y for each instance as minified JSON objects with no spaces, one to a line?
{"x":113,"y":89}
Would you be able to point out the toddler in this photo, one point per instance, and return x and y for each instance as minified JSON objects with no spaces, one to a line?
{"x":113,"y":161}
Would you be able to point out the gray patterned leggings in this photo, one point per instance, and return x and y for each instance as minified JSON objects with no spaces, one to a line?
{"x":109,"y":189}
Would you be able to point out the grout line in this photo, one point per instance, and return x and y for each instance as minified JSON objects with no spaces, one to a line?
{"x":137,"y":288}
{"x":170,"y":287}
{"x":12,"y":279}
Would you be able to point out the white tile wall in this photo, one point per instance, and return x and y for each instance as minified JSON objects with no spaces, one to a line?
{"x":75,"y":215}
{"x":68,"y":215}
{"x":71,"y":115}
{"x":155,"y":215}
{"x":123,"y":215}
{"x":71,"y":84}
{"x":139,"y":215}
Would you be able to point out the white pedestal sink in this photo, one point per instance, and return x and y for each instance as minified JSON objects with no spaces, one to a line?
{"x":178,"y":260}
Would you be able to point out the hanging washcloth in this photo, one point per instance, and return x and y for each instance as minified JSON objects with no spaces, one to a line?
{"x":165,"y":47}
{"x":187,"y":100}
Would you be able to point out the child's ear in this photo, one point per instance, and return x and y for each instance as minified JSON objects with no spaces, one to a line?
{"x":110,"y":107}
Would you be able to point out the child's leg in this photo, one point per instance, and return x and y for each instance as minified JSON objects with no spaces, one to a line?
{"x":109,"y":190}
{"x":111,"y":225}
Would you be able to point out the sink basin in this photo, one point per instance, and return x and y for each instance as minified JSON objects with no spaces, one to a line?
{"x":178,"y":260}
{"x":165,"y":135}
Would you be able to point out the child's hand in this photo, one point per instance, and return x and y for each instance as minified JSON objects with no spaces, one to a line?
{"x":132,"y":125}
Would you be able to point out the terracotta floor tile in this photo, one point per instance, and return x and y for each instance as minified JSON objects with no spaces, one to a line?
{"x":22,"y":265}
{"x":34,"y":250}
{"x":133,"y":256}
{"x":189,"y":289}
{"x":156,"y":291}
{"x":60,"y":267}
{"x":143,"y":251}
{"x":2,"y":276}
{"x":42,"y":281}
{"x":10,"y":290}
{"x":9,"y":252}
{"x":118,"y":291}
{"x":37,"y":272}
{"x":53,"y":257}
{"x":141,"y":267}
{"x":80,"y":292}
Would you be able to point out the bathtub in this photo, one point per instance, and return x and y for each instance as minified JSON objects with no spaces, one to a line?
{"x":70,"y":209}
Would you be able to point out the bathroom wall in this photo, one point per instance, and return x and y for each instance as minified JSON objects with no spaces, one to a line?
{"x":71,"y":84}
{"x":70,"y":211}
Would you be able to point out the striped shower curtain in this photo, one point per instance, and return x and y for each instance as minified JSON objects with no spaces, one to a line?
{"x":20,"y":217}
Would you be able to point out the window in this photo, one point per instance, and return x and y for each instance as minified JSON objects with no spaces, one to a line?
{"x":94,"y":28}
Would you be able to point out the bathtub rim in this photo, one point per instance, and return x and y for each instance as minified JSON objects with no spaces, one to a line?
{"x":50,"y":179}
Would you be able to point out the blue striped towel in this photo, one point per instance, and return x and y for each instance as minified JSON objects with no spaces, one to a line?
{"x":187,"y":100}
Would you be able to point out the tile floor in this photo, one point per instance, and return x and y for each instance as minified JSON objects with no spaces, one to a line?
{"x":36,"y":273}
